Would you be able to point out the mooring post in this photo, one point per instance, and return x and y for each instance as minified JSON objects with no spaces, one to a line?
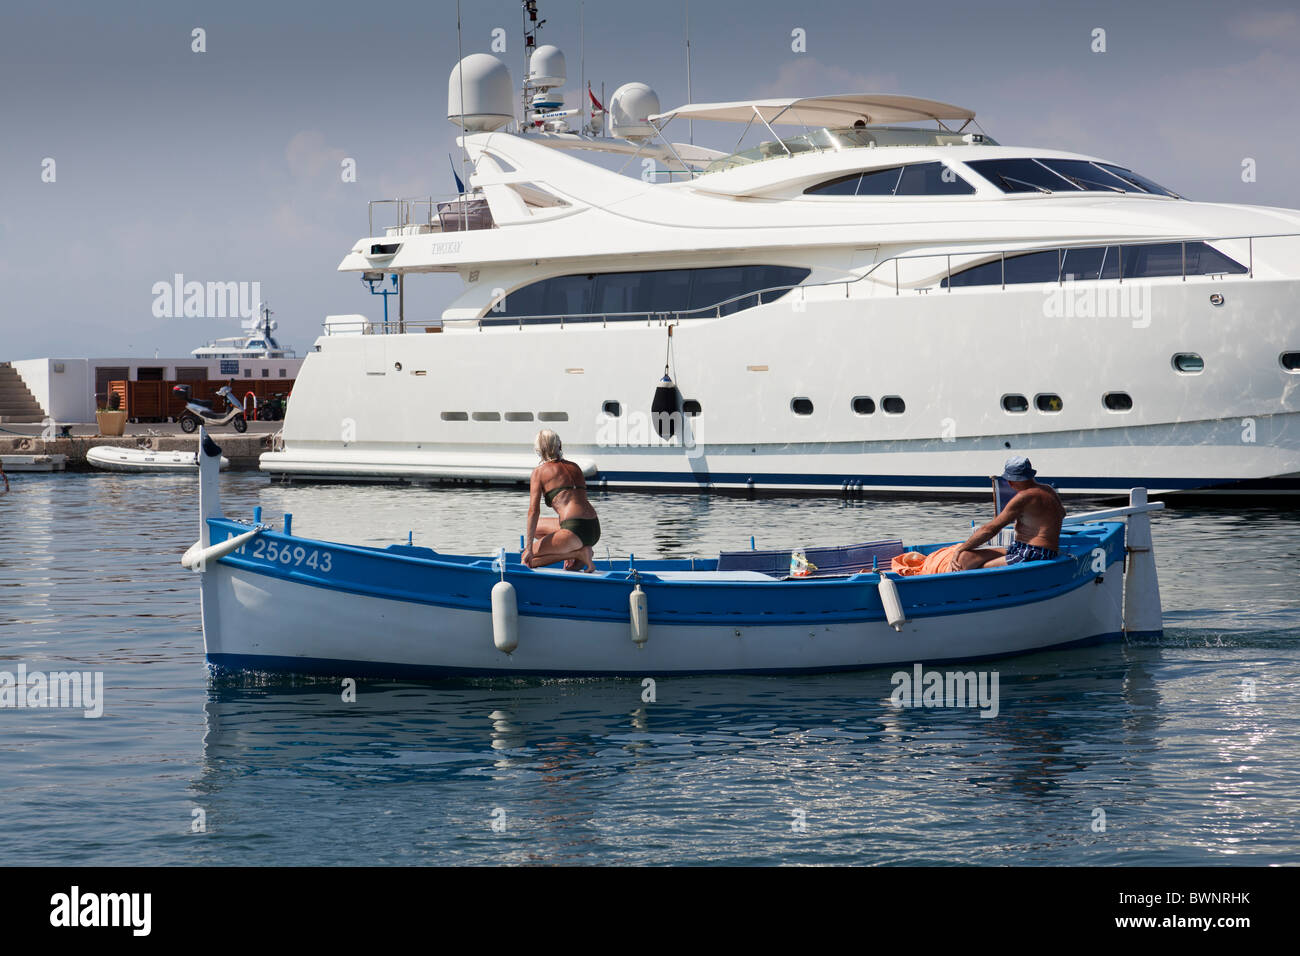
{"x":1142,"y":612}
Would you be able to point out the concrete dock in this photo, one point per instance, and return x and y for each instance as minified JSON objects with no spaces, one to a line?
{"x":242,"y":450}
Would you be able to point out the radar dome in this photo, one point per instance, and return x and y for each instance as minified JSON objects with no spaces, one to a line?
{"x":489,"y":98}
{"x":546,"y":67}
{"x":629,"y":110}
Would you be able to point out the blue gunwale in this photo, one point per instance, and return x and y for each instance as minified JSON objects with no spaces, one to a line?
{"x":422,"y":576}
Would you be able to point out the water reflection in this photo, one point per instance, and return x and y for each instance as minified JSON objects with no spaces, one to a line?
{"x":1160,"y":736}
{"x":586,"y":770}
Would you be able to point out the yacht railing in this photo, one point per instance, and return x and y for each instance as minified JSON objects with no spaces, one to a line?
{"x":835,"y":139}
{"x":767,"y":296}
{"x":974,"y":256}
{"x":453,"y":213}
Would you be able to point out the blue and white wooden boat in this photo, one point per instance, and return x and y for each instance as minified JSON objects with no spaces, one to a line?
{"x":274,"y":601}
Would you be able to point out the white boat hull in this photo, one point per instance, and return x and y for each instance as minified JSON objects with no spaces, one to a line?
{"x":1233,"y":427}
{"x":256,"y":622}
{"x":111,"y":458}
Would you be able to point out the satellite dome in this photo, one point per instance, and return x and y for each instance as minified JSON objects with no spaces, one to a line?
{"x":489,"y":97}
{"x":546,"y":67}
{"x":629,"y":110}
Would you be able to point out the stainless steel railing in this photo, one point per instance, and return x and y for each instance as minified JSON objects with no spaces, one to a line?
{"x":456,"y":213}
{"x":973,"y":257}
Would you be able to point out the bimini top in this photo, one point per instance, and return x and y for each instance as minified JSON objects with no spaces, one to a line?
{"x":831,"y":111}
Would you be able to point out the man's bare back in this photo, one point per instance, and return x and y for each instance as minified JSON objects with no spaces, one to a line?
{"x":1037,"y":513}
{"x":1040,"y":522}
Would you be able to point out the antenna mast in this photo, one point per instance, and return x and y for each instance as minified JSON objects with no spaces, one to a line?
{"x":531,"y":26}
{"x":689,"y":97}
{"x":582,"y":71}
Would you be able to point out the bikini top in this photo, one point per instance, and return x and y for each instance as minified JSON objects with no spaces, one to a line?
{"x":549,"y":496}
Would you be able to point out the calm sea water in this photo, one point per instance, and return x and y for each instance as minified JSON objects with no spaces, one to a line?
{"x":1185,"y":748}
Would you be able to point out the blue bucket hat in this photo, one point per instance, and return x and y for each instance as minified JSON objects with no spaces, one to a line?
{"x":1017,"y":468}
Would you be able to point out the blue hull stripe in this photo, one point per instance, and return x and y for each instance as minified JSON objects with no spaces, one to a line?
{"x":389,"y":576}
{"x":330,"y":667}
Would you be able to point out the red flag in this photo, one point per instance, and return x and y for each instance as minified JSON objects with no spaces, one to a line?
{"x":594,"y":102}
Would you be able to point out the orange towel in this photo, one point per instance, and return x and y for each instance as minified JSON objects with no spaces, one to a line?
{"x":913,"y":562}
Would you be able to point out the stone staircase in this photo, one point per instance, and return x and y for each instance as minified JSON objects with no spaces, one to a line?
{"x":16,"y":403}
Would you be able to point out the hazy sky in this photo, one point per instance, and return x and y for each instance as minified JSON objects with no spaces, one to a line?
{"x":225,"y":165}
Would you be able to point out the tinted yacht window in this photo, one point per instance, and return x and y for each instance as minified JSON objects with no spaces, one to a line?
{"x":1144,"y":184}
{"x":918,"y":179}
{"x":928,"y":179}
{"x":569,"y":295}
{"x":1021,"y":176}
{"x":875,"y":182}
{"x":1203,"y":260}
{"x":605,"y":295}
{"x":1094,"y":262}
{"x":1088,"y":176}
{"x":670,"y":289}
{"x":1101,"y":262}
{"x":1031,"y":267}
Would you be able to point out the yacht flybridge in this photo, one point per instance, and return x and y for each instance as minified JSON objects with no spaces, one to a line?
{"x":874,"y":297}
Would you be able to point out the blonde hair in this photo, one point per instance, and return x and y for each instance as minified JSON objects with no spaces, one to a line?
{"x":547,"y":445}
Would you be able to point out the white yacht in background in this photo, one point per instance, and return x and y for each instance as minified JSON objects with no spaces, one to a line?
{"x":864,"y":304}
{"x":256,"y":342}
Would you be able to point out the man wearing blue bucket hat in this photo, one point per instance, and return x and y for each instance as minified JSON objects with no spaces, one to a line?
{"x":1037,"y":512}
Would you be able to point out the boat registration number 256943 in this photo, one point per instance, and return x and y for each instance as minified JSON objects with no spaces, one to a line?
{"x":289,"y":555}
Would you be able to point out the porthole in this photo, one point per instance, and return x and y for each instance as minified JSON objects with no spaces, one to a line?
{"x":486,"y":416}
{"x":1290,"y":361}
{"x":1118,"y":401}
{"x":862,"y":405}
{"x":553,"y":416}
{"x":519,"y":416}
{"x":690,"y":407}
{"x":1015,"y":404}
{"x":455,"y":417}
{"x":612,"y":409}
{"x":801,"y":406}
{"x":893,"y":405}
{"x":1048,"y":402}
{"x":1189,"y":363}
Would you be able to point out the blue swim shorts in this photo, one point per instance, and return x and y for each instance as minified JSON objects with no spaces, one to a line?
{"x":1019,"y":553}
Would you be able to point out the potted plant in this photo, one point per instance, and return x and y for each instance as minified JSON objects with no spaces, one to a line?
{"x":111,"y":420}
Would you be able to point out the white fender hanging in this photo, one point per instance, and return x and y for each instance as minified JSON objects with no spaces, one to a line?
{"x":505,"y":617}
{"x":639,"y":616}
{"x":892,"y":602}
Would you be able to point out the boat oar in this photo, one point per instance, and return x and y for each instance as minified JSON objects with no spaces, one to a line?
{"x":197,"y":556}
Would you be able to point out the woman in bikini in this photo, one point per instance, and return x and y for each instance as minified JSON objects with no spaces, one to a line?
{"x":571,"y":536}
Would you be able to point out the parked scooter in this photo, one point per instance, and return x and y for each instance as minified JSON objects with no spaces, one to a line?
{"x":199,"y":412}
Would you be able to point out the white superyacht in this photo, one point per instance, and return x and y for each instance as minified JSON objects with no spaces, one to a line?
{"x":877,"y":297}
